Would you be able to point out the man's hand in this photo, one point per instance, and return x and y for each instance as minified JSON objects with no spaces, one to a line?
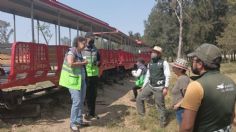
{"x":85,"y":62}
{"x":141,"y":89}
{"x":176,"y":106}
{"x":165,"y":91}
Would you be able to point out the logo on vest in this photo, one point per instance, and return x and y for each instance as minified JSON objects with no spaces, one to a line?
{"x":160,"y":82}
{"x":225,"y":87}
{"x":159,"y":63}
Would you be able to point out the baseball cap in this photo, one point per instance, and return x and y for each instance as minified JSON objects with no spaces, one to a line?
{"x":206,"y":53}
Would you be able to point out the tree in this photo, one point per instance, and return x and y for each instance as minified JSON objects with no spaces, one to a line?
{"x":135,"y":35}
{"x":65,"y":41}
{"x":4,"y":33}
{"x":178,"y":7}
{"x":227,"y":39}
{"x":46,"y":32}
{"x":201,"y":20}
{"x":161,"y":28}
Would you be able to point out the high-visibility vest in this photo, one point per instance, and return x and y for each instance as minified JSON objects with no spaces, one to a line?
{"x":91,"y":56}
{"x":70,"y":77}
{"x":91,"y":68}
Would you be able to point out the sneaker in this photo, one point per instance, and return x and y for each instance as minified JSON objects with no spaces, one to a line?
{"x":74,"y":129}
{"x":84,"y":124}
{"x":90,"y":117}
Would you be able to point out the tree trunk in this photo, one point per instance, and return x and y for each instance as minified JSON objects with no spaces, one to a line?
{"x":180,"y":29}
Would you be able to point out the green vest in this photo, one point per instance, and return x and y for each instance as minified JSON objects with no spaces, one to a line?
{"x":91,"y":56}
{"x":91,"y":68}
{"x":217,"y":106}
{"x":157,"y":77}
{"x":70,"y":77}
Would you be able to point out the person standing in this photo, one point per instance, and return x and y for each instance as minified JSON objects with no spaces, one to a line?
{"x":156,"y":82}
{"x":209,"y":101}
{"x":139,"y":74}
{"x":91,"y":54}
{"x":73,"y":77}
{"x":179,"y":67}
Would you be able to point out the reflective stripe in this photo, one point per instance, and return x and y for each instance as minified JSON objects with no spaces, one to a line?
{"x":67,"y":70}
{"x":226,"y":129}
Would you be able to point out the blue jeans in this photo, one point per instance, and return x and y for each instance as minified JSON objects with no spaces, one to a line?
{"x":77,"y":97}
{"x":179,"y":112}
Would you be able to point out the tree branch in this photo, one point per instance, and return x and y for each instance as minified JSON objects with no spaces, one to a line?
{"x":177,"y":15}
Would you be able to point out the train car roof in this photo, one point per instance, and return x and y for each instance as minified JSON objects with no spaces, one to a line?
{"x":50,"y":11}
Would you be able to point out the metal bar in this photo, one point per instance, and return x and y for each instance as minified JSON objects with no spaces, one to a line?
{"x":38,"y":30}
{"x":14,"y":22}
{"x":102,"y":39}
{"x":32,"y":19}
{"x":59,"y":30}
{"x":77,"y":28}
{"x":70,"y":37}
{"x":56,"y":34}
{"x":109,"y":42}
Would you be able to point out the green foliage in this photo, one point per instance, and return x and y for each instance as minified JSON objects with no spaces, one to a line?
{"x":203,"y":22}
{"x":65,"y":41}
{"x":5,"y":33}
{"x":136,"y":36}
{"x":45,"y":30}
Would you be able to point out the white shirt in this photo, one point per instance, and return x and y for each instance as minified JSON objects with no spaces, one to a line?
{"x":136,"y":73}
{"x":166,"y":73}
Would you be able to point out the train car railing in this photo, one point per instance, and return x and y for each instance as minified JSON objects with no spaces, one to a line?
{"x":32,"y":63}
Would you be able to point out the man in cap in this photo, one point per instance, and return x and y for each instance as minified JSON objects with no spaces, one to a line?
{"x":209,"y":101}
{"x":90,"y":53}
{"x":156,"y":83}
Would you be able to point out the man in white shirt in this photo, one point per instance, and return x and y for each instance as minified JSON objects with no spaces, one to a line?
{"x":139,"y":74}
{"x":156,"y":83}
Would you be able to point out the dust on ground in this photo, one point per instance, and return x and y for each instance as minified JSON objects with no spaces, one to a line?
{"x":117,"y":113}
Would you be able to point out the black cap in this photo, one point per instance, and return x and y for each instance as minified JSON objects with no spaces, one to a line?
{"x":141,"y":60}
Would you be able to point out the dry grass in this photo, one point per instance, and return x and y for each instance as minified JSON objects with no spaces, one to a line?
{"x":117,"y":115}
{"x":150,"y":122}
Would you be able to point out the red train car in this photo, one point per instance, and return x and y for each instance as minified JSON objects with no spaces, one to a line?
{"x":28,"y":63}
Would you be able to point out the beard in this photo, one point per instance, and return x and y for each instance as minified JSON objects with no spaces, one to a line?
{"x":195,"y":71}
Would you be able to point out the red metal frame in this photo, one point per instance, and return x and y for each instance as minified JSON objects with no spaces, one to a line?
{"x":32,"y":60}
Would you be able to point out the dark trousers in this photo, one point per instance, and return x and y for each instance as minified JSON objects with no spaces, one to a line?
{"x":159,"y":100}
{"x":91,"y":94}
{"x":135,"y":91}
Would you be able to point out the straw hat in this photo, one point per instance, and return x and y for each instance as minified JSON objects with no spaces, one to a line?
{"x":180,"y":63}
{"x":157,"y":49}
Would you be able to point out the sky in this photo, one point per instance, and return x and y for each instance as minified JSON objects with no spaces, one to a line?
{"x":125,"y":15}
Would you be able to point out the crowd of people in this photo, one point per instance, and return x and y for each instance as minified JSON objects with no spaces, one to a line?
{"x":203,"y":103}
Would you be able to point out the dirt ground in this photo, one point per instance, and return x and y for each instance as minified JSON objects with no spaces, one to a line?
{"x":116,"y":112}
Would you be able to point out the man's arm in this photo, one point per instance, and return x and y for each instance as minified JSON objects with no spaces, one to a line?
{"x":146,"y":78}
{"x":191,"y":103}
{"x":166,"y":73}
{"x":188,"y":121}
{"x":72,"y":63}
{"x":137,"y":73}
{"x":234,"y":118}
